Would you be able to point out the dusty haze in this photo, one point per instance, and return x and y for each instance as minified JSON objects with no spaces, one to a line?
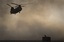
{"x":38,"y":18}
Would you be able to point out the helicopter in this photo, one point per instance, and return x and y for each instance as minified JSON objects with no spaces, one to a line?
{"x":15,"y":10}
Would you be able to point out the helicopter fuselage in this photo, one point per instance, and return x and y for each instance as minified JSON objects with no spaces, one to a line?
{"x":15,"y":10}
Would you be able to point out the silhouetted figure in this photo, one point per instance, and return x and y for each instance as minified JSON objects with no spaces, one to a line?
{"x":46,"y":39}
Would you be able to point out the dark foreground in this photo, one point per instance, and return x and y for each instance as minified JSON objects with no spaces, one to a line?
{"x":26,"y":41}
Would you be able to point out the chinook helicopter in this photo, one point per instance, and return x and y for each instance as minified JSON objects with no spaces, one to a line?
{"x":15,"y":10}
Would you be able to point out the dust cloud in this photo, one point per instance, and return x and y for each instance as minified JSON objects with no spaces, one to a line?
{"x":37,"y":18}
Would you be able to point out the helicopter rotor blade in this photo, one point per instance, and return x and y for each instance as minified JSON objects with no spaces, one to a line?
{"x":14,"y":3}
{"x":22,"y":6}
{"x":26,"y":4}
{"x":9,"y":5}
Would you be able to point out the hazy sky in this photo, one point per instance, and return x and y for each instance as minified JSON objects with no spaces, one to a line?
{"x":38,"y":18}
